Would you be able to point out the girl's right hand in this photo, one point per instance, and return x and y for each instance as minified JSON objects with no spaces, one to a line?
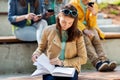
{"x":35,"y":56}
{"x":89,"y":33}
{"x":29,"y":16}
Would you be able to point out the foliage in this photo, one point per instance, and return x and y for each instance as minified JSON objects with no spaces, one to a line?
{"x":102,"y":5}
{"x":115,"y":12}
{"x":116,"y":2}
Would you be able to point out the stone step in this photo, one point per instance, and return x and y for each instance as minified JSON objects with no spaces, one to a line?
{"x":100,"y":15}
{"x":104,"y":21}
{"x":110,"y":28}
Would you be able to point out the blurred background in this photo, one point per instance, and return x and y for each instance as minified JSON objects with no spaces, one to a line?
{"x":109,"y":9}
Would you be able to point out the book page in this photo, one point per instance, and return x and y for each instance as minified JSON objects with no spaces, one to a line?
{"x":45,"y":62}
{"x":39,"y":72}
{"x":64,"y":71}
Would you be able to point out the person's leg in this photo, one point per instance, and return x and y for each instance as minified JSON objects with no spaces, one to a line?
{"x":27,"y":33}
{"x":75,"y":77}
{"x":92,"y":55}
{"x":100,"y":52}
{"x":48,"y":77}
{"x":98,"y":46}
{"x":40,"y":26}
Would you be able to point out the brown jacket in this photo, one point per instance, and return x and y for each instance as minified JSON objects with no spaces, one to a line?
{"x":75,"y":51}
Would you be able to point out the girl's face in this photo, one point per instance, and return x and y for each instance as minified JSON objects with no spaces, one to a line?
{"x":65,"y":21}
{"x":85,"y":2}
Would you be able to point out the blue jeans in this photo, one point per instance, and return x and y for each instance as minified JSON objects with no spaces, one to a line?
{"x":31,"y":33}
{"x":50,"y":77}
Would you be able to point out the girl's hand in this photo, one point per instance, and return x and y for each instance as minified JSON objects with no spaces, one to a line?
{"x":92,"y":9}
{"x":36,"y":18}
{"x":29,"y":16}
{"x":56,"y":61}
{"x":89,"y":33}
{"x":35,"y":56}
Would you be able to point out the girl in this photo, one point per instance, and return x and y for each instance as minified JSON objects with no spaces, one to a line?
{"x":63,"y":43}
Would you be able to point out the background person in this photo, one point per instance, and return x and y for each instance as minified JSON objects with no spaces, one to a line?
{"x":87,"y":23}
{"x":27,"y":23}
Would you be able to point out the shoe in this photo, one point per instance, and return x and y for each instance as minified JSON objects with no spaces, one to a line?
{"x":112,"y":65}
{"x":102,"y":66}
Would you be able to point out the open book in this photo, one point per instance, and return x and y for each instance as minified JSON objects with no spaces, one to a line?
{"x":44,"y":67}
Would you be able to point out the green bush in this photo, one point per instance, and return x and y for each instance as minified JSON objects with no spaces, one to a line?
{"x":115,"y":12}
{"x":102,"y":5}
{"x":116,"y":2}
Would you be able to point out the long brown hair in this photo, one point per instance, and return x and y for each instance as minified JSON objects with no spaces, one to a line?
{"x":73,"y":31}
{"x":34,"y":2}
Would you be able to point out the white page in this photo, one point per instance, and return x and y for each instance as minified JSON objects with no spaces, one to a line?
{"x":39,"y":72}
{"x":37,"y":65}
{"x":45,"y":62}
{"x":64,"y":70}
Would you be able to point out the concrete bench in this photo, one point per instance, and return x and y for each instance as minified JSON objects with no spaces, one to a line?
{"x":3,"y":13}
{"x":13,"y":39}
{"x":112,"y":35}
{"x":16,"y":55}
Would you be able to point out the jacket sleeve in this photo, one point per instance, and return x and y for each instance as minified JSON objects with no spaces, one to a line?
{"x":43,"y":44}
{"x":93,"y":18}
{"x":81,"y":57}
{"x":11,"y":10}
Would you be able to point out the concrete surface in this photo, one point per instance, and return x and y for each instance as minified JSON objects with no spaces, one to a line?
{"x":16,"y":58}
{"x":94,"y":75}
{"x":5,"y":27}
{"x":3,"y":5}
{"x":110,"y":28}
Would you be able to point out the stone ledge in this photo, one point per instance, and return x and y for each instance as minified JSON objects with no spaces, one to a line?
{"x":100,"y":75}
{"x":83,"y":76}
{"x":13,"y":39}
{"x":3,"y":13}
{"x":112,"y":35}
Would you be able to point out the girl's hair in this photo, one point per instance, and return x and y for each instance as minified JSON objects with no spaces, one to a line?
{"x":34,"y":2}
{"x":73,"y":31}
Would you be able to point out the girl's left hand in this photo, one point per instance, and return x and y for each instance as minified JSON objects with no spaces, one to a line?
{"x":56,"y":61}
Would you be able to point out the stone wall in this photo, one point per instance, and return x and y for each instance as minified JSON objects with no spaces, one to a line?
{"x":16,"y":58}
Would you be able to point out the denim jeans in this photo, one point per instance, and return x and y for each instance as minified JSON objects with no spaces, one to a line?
{"x":31,"y":33}
{"x":50,"y":77}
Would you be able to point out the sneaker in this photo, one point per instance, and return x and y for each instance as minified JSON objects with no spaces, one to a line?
{"x":102,"y":67}
{"x":112,"y":65}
